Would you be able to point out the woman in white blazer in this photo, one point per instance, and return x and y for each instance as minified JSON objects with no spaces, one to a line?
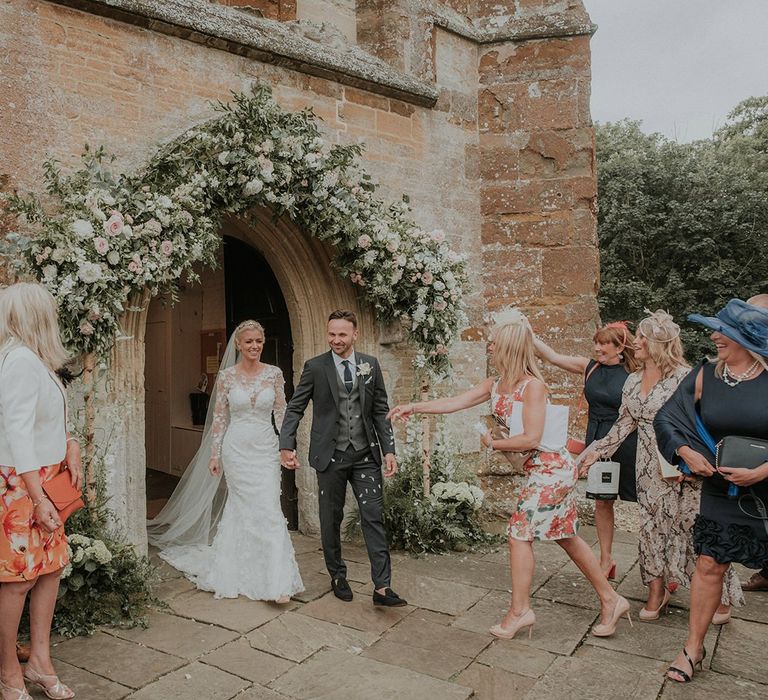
{"x":34,"y":447}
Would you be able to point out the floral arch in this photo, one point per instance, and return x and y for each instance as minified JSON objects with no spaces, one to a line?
{"x":105,"y":243}
{"x":113,"y":237}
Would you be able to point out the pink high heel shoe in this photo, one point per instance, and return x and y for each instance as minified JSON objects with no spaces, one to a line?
{"x":609,"y":628}
{"x":55,"y":689}
{"x":527,"y":619}
{"x":8,"y":692}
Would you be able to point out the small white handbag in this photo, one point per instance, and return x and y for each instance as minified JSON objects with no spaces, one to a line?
{"x":668,"y":471}
{"x":555,"y":426}
{"x":603,"y":481}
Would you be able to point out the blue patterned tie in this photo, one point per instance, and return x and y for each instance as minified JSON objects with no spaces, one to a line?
{"x":347,"y":375}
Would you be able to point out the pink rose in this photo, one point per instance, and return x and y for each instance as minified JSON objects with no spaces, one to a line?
{"x":86,"y":328}
{"x":427,"y":277}
{"x":166,"y":248}
{"x":357,"y":278}
{"x":134,"y":266}
{"x":114,"y":224}
{"x":364,"y":241}
{"x":101,"y":244}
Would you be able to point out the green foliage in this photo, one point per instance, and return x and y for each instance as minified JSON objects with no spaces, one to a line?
{"x":106,"y":583}
{"x":451,"y":521}
{"x":683,"y":227}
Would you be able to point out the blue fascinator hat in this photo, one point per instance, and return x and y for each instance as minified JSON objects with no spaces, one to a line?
{"x":743,"y":323}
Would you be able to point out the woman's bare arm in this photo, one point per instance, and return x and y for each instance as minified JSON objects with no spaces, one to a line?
{"x":570,"y":363}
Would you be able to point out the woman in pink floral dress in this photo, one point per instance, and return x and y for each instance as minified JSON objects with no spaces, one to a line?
{"x":546,"y":509}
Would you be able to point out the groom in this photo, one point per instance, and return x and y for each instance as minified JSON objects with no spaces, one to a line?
{"x":349,"y":433}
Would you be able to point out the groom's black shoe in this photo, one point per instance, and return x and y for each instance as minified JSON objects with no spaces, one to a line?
{"x":389,"y":598}
{"x":341,"y":589}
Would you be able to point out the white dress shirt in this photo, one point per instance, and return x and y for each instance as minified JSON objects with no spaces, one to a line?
{"x":340,"y":365}
{"x":33,"y":432}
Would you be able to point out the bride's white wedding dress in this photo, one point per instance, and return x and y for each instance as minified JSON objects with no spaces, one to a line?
{"x":251,"y":553}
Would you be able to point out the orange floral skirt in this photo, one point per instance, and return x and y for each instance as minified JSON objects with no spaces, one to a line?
{"x":27,"y":550}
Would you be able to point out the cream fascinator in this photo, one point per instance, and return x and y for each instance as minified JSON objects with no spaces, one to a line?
{"x":659,"y":326}
{"x":509,"y":316}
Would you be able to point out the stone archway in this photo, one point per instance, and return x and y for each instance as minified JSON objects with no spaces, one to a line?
{"x":311,"y":287}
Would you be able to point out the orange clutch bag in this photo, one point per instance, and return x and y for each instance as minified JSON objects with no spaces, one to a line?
{"x":65,"y":497}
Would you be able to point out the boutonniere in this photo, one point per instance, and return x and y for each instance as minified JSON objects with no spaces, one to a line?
{"x":363,"y":369}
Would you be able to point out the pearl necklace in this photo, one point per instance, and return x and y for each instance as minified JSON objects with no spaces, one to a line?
{"x":732,"y":379}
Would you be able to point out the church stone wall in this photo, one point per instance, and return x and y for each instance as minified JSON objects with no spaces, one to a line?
{"x":493,"y":143}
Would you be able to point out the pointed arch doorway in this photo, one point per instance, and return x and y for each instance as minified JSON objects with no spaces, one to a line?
{"x":186,"y":341}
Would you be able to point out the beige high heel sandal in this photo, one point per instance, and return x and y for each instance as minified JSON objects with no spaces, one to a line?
{"x":20,"y":693}
{"x":527,"y":619}
{"x":609,"y":628}
{"x":650,"y":615}
{"x":56,"y":691}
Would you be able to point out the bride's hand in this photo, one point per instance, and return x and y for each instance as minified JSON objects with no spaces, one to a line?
{"x":402,"y":412}
{"x":214,"y":467}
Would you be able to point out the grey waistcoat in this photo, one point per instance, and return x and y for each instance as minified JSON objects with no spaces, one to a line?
{"x":351,"y":429}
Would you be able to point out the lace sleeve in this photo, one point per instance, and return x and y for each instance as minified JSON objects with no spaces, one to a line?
{"x":278,"y":407}
{"x":220,"y":421}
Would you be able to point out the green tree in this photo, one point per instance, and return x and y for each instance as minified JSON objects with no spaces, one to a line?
{"x":683,"y":227}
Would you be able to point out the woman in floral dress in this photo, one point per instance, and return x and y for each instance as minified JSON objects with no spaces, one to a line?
{"x":34,"y":448}
{"x":546,"y":509}
{"x":668,"y":505}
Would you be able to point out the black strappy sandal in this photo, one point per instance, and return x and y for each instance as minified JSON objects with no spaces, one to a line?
{"x":685,"y":676}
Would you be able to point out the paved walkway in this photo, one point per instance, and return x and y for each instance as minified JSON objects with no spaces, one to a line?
{"x":437,"y":647}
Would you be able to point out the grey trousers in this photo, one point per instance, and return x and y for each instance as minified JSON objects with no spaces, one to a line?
{"x":358,"y":469}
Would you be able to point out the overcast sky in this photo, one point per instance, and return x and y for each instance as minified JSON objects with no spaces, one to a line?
{"x":678,"y":65}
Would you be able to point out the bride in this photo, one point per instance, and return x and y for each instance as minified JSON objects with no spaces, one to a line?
{"x":229,"y":535}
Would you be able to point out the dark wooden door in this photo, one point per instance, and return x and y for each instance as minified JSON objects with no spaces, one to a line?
{"x":252,"y":292}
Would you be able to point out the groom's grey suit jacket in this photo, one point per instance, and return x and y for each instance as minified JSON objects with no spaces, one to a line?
{"x":319,"y":382}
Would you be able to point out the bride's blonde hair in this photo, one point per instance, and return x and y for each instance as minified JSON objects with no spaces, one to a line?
{"x":513,"y":352}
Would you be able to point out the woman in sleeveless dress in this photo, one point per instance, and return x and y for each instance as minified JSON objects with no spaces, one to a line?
{"x":604,"y":379}
{"x":665,"y":539}
{"x":546,"y":508}
{"x":251,"y":553}
{"x":727,"y":396}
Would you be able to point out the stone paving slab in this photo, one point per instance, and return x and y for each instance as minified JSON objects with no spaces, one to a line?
{"x":303,"y":544}
{"x":436,"y":594}
{"x":341,"y":676}
{"x":599,"y":674}
{"x":169,"y":588}
{"x":440,"y":664}
{"x":516,"y":657}
{"x":360,"y":613}
{"x":86,"y":684}
{"x":117,"y":659}
{"x":238,"y":614}
{"x":435,"y":637}
{"x":491,"y":683}
{"x":295,"y":637}
{"x":571,"y":586}
{"x":559,"y":628}
{"x":241,"y":659}
{"x":259,"y":693}
{"x":742,"y":651}
{"x":177,"y":636}
{"x":195,"y":681}
{"x":661,"y":639}
{"x":466,"y":569}
{"x":714,"y":686}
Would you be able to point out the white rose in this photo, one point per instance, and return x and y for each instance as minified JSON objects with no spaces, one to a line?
{"x":82,"y":228}
{"x":89,"y":272}
{"x":113,"y":257}
{"x":253,"y":187}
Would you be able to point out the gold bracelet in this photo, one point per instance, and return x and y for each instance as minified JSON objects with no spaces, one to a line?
{"x":42,"y":498}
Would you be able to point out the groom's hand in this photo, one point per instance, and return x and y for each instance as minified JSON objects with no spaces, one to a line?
{"x":390,"y":465}
{"x":288,"y":459}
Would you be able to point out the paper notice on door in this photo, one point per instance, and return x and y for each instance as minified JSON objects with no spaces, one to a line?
{"x":211,"y":364}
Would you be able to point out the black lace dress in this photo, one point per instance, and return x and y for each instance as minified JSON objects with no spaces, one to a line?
{"x":730,"y":529}
{"x":603,"y":392}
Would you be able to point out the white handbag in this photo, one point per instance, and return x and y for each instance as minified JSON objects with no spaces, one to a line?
{"x":668,"y":471}
{"x":603,"y":481}
{"x":555,"y":433}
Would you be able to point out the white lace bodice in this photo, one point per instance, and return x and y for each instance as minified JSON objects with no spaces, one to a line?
{"x":244,"y":399}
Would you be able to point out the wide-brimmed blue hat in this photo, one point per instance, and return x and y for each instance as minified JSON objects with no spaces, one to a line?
{"x":743,"y":323}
